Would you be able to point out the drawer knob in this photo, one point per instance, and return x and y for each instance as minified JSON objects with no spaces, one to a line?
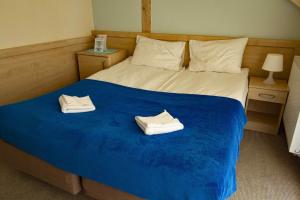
{"x":267,"y":96}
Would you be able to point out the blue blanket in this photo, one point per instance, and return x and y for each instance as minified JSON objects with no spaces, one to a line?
{"x":107,"y":146}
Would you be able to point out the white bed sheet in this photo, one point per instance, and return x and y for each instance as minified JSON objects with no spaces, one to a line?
{"x":232,"y":85}
{"x":209,"y":83}
{"x":127,"y":74}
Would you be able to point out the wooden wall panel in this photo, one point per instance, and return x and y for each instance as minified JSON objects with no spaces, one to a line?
{"x":297,"y":51}
{"x":122,"y":43}
{"x":30,"y":71}
{"x":254,"y":56}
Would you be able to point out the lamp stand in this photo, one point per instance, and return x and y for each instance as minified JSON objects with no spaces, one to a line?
{"x":270,"y":80}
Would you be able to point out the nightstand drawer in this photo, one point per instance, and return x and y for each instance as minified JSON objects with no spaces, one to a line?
{"x":89,"y":65}
{"x":267,"y":95}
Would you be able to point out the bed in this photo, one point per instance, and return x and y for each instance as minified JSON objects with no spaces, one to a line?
{"x":111,"y":153}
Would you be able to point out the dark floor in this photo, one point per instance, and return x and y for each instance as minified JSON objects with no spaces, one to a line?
{"x":265,"y":171}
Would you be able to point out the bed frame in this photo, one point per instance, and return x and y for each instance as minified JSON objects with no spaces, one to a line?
{"x":254,"y":56}
{"x":103,"y":192}
{"x":40,"y":169}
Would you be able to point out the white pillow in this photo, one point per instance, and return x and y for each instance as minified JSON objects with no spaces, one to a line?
{"x":218,"y":55}
{"x":157,"y":53}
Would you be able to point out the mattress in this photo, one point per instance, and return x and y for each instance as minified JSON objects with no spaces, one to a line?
{"x":184,"y":81}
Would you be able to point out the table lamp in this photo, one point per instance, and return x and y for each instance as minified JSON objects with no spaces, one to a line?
{"x":273,"y":63}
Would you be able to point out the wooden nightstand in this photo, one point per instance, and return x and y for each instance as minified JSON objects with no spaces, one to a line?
{"x":91,"y":62}
{"x":265,"y":105}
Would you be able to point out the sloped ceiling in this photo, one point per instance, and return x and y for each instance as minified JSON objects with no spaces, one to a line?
{"x":297,"y":2}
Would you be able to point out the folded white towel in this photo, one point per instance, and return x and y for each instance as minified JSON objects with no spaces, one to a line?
{"x":159,"y":124}
{"x":73,"y":104}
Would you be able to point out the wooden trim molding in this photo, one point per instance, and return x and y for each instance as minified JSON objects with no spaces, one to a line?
{"x":17,"y":51}
{"x":33,"y":70}
{"x":146,"y":16}
{"x":254,"y":56}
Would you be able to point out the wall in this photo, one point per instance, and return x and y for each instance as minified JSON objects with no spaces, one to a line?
{"x":34,"y":21}
{"x":256,"y":18}
{"x":44,"y":64}
{"x":117,"y":15}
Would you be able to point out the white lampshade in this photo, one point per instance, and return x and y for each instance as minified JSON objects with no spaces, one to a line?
{"x":273,"y":63}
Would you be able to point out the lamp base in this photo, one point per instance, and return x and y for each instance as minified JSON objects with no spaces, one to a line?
{"x":269,"y":80}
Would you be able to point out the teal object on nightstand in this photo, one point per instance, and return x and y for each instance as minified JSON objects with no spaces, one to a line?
{"x":107,"y":51}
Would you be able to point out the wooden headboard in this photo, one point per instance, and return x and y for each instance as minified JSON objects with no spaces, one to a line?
{"x":254,"y":56}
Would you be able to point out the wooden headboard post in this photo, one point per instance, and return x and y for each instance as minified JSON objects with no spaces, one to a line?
{"x":146,"y":16}
{"x":254,"y":56}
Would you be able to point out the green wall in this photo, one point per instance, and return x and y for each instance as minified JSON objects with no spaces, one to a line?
{"x":252,"y":18}
{"x":117,"y":15}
